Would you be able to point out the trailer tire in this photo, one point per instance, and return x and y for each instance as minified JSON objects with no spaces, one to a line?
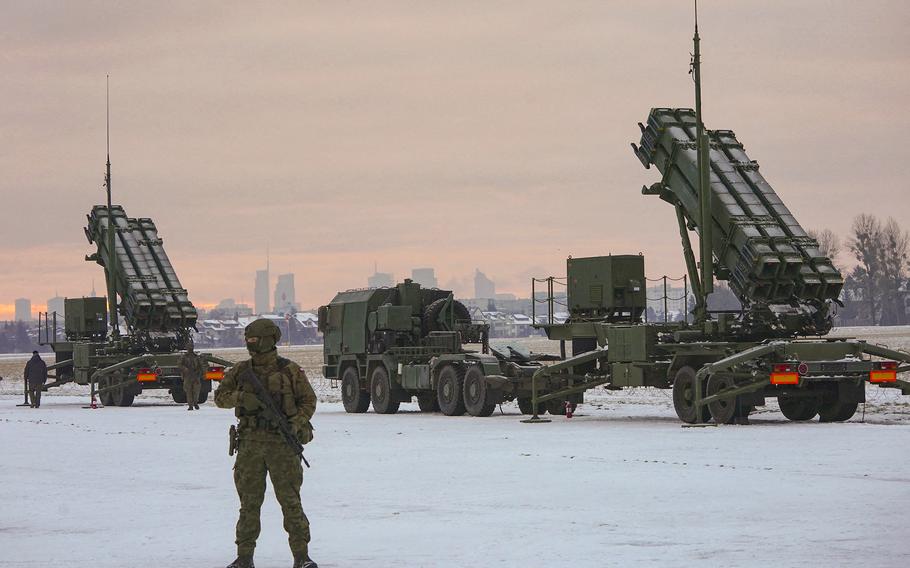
{"x":449,"y":391}
{"x":179,"y":395}
{"x":124,"y":395}
{"x":798,"y":409}
{"x":556,"y":407}
{"x":384,"y":399}
{"x":525,"y":406}
{"x":106,"y":398}
{"x":684,"y":396}
{"x":724,"y":411}
{"x":353,"y":397}
{"x":427,"y":402}
{"x":836,"y":411}
{"x":478,"y":396}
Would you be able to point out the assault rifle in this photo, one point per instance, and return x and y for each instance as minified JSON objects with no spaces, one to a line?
{"x":274,"y":414}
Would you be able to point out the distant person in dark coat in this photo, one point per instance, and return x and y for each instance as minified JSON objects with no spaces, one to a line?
{"x":35,"y":377}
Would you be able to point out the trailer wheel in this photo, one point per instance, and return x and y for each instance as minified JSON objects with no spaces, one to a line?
{"x":354,"y":398}
{"x":836,"y":411}
{"x":556,"y":407}
{"x":724,"y":410}
{"x":798,"y":409}
{"x":105,"y":397}
{"x":525,"y":406}
{"x":179,"y":395}
{"x":384,"y":400}
{"x":124,"y":395}
{"x":427,"y":402}
{"x":478,"y":397}
{"x":684,"y":396}
{"x":449,"y":389}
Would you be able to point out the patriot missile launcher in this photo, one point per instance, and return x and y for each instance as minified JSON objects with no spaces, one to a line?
{"x":143,"y":290}
{"x":721,"y":364}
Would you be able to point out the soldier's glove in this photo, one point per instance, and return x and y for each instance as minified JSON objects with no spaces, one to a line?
{"x":248,"y":401}
{"x":299,"y":423}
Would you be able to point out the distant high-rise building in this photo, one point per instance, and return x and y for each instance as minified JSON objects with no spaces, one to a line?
{"x":23,"y":309}
{"x":230,"y":307}
{"x":285,"y":298}
{"x":55,"y":304}
{"x":483,"y":286}
{"x":426,"y":277}
{"x":381,"y":280}
{"x":261,"y":293}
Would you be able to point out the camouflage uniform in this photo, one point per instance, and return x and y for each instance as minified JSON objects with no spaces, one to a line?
{"x":262,"y":450}
{"x":191,"y":369}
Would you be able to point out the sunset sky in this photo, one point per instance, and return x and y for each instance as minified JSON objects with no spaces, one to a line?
{"x":458,"y":135}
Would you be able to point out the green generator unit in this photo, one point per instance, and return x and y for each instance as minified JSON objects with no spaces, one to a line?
{"x":606,"y":288}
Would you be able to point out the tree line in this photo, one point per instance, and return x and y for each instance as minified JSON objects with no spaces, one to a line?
{"x":876,"y":288}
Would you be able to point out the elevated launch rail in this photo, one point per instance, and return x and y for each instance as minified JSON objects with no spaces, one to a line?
{"x":151,"y":297}
{"x":757,"y":242}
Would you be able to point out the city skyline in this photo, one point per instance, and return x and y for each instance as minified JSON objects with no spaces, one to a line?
{"x":441,"y":136}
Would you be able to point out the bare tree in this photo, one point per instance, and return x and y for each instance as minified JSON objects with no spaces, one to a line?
{"x":829,"y":244}
{"x":893,"y":259}
{"x":865,"y":246}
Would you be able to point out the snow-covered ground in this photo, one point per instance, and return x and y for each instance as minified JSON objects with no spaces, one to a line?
{"x":623,"y":485}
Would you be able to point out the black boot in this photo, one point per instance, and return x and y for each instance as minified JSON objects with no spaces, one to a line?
{"x":304,"y":561}
{"x":242,"y":562}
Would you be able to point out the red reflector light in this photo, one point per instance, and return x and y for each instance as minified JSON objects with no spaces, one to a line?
{"x":882,"y":376}
{"x":214,"y":374}
{"x":888,"y":365}
{"x":784,"y":378}
{"x":146,"y":375}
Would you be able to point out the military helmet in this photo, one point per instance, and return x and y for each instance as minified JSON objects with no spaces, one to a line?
{"x":262,"y":335}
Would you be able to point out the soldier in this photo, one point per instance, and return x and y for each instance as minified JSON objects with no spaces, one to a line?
{"x":35,"y":376}
{"x":262,"y":450}
{"x":191,"y":368}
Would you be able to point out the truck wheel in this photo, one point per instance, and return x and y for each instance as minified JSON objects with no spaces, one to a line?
{"x":836,"y":411}
{"x":478,"y":397}
{"x":449,"y":388}
{"x":179,"y":395}
{"x":798,"y":409}
{"x":684,"y":396}
{"x":384,"y":400}
{"x":427,"y":402}
{"x":354,"y":398}
{"x":725,"y":409}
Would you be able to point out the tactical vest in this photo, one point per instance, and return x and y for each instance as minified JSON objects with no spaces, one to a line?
{"x":280,"y":384}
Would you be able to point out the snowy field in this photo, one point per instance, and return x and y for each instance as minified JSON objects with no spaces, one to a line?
{"x":621,"y":484}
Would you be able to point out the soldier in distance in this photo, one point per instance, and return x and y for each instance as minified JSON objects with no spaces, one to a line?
{"x":262,"y":450}
{"x":35,"y":377}
{"x":191,"y":369}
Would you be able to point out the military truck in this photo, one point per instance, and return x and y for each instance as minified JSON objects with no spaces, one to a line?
{"x":143,"y":289}
{"x":389,"y":345}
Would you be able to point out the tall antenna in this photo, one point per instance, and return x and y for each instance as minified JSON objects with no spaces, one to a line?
{"x":704,"y":189}
{"x":109,"y":262}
